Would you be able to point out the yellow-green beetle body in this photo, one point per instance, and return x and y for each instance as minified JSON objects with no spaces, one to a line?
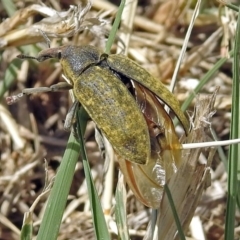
{"x":97,"y":81}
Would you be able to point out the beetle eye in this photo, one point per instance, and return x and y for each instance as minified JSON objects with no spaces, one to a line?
{"x":42,"y":58}
{"x":59,"y":55}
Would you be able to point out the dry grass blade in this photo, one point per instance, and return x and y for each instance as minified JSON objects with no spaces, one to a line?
{"x":188,"y":184}
{"x":54,"y":24}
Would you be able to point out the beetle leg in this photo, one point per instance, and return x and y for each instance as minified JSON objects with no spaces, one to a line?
{"x":54,"y":88}
{"x":70,"y":118}
{"x":61,"y":86}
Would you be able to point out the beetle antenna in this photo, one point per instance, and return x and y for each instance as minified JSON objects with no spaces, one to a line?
{"x":46,"y":38}
{"x":23,"y":56}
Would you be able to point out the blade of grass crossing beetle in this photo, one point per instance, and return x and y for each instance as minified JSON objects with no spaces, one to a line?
{"x":120,"y":194}
{"x":99,"y":222}
{"x":56,"y":203}
{"x":121,"y":218}
{"x":233,"y":159}
{"x":100,"y":226}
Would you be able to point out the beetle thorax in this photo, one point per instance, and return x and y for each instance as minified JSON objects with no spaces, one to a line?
{"x":76,"y":59}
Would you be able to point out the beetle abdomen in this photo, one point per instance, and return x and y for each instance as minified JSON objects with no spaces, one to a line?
{"x":113,"y":109}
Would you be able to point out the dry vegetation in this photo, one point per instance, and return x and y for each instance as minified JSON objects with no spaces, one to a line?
{"x":32,"y":138}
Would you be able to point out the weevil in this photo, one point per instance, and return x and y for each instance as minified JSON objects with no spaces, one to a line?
{"x":98,"y":84}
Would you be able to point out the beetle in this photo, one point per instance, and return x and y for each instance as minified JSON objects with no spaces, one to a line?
{"x":98,"y":82}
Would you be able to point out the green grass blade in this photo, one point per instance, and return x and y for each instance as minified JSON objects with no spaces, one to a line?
{"x":9,"y":76}
{"x":204,"y":81}
{"x":27,"y":229}
{"x":174,"y":211}
{"x":232,"y":6}
{"x":115,"y":26}
{"x":100,"y":226}
{"x":234,"y":149}
{"x":57,"y":200}
{"x":238,"y":193}
{"x":9,"y":6}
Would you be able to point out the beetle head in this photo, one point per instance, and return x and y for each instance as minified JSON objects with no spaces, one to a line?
{"x":74,"y":59}
{"x":49,"y":53}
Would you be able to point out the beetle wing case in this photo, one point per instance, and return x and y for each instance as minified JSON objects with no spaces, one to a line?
{"x":114,"y":110}
{"x":132,"y":70}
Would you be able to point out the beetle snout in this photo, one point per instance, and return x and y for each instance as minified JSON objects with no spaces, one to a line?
{"x":49,"y":53}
